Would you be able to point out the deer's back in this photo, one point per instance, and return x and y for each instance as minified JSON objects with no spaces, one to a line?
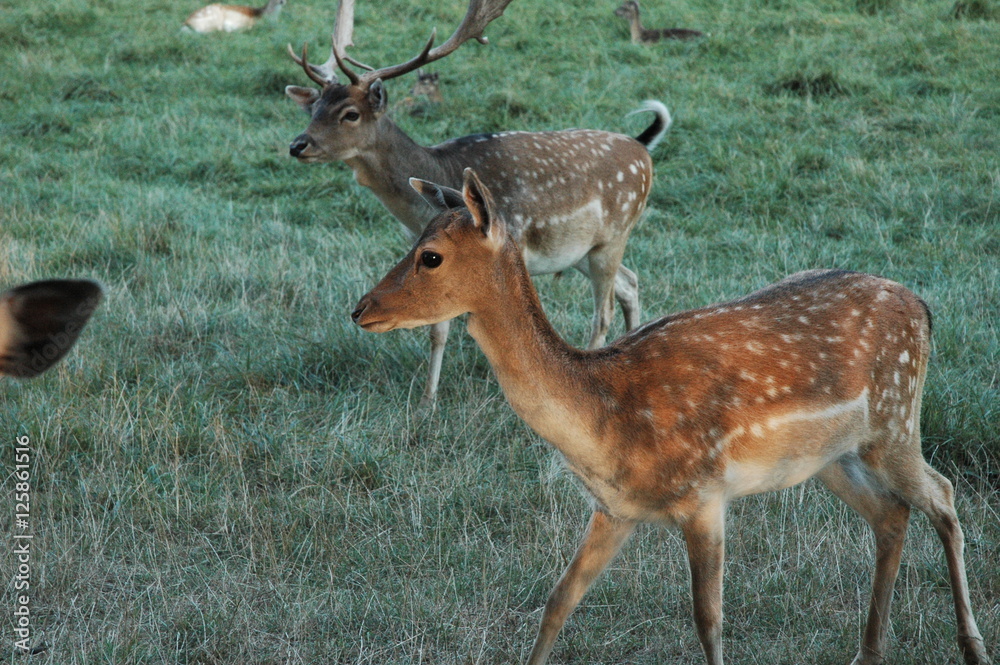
{"x":543,"y":180}
{"x":811,"y":368}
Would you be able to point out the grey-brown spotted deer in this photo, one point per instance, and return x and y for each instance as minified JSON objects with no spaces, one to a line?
{"x":819,"y":375}
{"x":640,"y":35}
{"x":40,"y":322}
{"x":572,"y":196}
{"x":230,"y":18}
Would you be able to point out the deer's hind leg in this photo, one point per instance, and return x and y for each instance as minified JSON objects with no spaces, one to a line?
{"x":851,"y":480}
{"x":933,"y":494}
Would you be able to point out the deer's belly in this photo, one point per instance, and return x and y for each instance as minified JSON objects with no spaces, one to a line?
{"x":559,"y":242}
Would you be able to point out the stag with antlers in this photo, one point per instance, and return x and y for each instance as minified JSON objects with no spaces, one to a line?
{"x":574,"y":195}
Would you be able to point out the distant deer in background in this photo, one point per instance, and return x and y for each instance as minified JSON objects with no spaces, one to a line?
{"x":640,"y":35}
{"x":426,"y":92}
{"x":820,"y":374}
{"x":427,"y":86}
{"x":40,"y":322}
{"x":230,"y":18}
{"x":573,"y":196}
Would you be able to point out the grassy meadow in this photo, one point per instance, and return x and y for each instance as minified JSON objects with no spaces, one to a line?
{"x":226,"y":470}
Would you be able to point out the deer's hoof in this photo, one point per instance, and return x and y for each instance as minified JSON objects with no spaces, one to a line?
{"x":973,"y":650}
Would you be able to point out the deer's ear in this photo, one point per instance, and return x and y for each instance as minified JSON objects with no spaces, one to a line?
{"x":378,"y":99}
{"x":40,"y":321}
{"x":304,"y":97}
{"x":479,"y":201}
{"x":439,"y":197}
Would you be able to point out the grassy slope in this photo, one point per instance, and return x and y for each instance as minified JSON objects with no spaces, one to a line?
{"x":226,"y":471}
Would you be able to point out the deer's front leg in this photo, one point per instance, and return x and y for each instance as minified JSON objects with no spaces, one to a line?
{"x":439,"y":335}
{"x":605,"y":536}
{"x":705,"y":537}
{"x":627,"y":295}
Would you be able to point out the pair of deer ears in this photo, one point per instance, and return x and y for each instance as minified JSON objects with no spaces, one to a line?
{"x":378,"y":99}
{"x":475,"y":197}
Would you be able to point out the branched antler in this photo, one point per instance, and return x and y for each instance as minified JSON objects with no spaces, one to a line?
{"x":479,"y":14}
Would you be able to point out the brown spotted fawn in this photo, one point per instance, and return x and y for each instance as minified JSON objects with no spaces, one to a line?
{"x":819,"y":374}
{"x":572,"y":197}
{"x":230,"y":18}
{"x":640,"y":35}
{"x":40,"y":322}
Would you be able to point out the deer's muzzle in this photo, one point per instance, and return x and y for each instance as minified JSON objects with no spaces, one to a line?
{"x":299,"y":145}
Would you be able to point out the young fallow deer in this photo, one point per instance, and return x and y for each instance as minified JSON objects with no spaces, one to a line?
{"x":40,"y":322}
{"x":640,"y":35}
{"x":572,"y":196}
{"x":230,"y":18}
{"x":819,"y":374}
{"x":426,"y":92}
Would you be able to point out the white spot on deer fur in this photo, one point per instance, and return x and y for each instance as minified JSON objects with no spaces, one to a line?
{"x":620,"y":176}
{"x":904,"y":356}
{"x":803,"y":319}
{"x":631,"y":167}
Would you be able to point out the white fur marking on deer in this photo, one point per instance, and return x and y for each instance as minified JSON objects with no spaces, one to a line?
{"x":230,"y":18}
{"x":663,"y":426}
{"x":569,"y":225}
{"x":40,"y":322}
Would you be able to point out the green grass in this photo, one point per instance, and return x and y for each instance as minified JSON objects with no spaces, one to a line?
{"x":226,"y":470}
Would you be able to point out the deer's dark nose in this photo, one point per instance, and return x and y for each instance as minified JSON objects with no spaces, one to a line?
{"x":359,"y":310}
{"x":300,"y":143}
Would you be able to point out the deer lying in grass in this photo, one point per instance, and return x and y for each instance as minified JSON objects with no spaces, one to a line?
{"x":426,"y":92}
{"x":572,"y":196}
{"x":40,"y":322}
{"x":640,"y":35}
{"x":820,"y":375}
{"x":230,"y":18}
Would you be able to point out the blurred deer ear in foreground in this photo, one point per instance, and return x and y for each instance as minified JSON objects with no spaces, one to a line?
{"x":230,"y":18}
{"x":40,"y":322}
{"x":640,"y":35}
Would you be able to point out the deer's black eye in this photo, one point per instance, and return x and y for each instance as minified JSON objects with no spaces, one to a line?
{"x":431,"y":259}
{"x":351,"y":116}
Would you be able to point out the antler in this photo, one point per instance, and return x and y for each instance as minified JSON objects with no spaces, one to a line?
{"x":323,"y":74}
{"x":343,"y":29}
{"x":477,"y":17}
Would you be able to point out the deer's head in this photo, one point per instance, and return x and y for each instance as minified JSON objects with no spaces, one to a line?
{"x":628,"y":9}
{"x":437,"y":280}
{"x":345,"y":115}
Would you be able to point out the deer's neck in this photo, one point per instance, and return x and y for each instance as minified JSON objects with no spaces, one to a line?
{"x":635,"y":27}
{"x":386,"y":167}
{"x":551,"y":385}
